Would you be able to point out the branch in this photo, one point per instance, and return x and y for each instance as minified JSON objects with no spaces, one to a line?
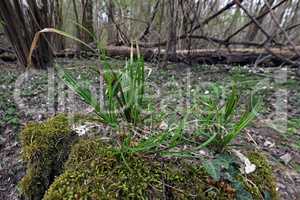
{"x":257,"y":18}
{"x":207,"y":20}
{"x":294,"y":48}
{"x":255,"y":21}
{"x":149,"y":24}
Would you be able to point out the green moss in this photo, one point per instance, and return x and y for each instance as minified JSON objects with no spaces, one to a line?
{"x":45,"y":147}
{"x":262,"y":180}
{"x":96,"y":170}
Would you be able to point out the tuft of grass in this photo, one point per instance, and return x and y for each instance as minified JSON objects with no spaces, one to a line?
{"x":124,"y":91}
{"x":219,"y":121}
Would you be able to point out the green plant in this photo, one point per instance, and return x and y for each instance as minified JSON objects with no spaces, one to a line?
{"x":126,"y":90}
{"x":224,"y":167}
{"x":219,"y":122}
{"x":124,"y":94}
{"x":9,"y":116}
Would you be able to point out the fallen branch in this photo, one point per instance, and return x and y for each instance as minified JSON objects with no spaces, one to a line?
{"x":226,"y":7}
{"x":256,"y":22}
{"x":242,"y":56}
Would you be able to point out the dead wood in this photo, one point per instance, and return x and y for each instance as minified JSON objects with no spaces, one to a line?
{"x":242,"y":56}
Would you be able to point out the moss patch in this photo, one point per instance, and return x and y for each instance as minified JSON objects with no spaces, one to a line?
{"x":263,"y":182}
{"x":45,"y":148}
{"x":95,"y":170}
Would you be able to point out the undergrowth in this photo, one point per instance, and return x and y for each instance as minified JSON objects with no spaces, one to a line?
{"x":114,"y":171}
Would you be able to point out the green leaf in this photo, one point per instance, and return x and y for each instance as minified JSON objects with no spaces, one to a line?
{"x":245,"y":120}
{"x":241,"y":193}
{"x":212,"y":169}
{"x":85,"y":94}
{"x":231,"y":103}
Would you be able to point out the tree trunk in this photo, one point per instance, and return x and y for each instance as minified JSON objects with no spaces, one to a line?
{"x":173,"y":28}
{"x":21,"y":22}
{"x":87,"y":21}
{"x":112,"y":35}
{"x":172,"y":34}
{"x":261,"y":56}
{"x":77,"y":26}
{"x":59,"y":41}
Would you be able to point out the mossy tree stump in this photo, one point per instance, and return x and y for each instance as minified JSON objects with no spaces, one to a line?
{"x":97,"y":170}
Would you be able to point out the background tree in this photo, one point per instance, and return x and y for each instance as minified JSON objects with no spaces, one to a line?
{"x":58,"y":24}
{"x":112,"y":33}
{"x":87,"y":21}
{"x":172,"y":33}
{"x":22,"y":19}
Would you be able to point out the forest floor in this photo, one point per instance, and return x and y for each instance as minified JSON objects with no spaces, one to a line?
{"x":276,"y":132}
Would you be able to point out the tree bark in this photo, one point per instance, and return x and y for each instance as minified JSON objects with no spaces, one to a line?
{"x":172,"y":34}
{"x":21,"y":23}
{"x":59,"y":41}
{"x":112,"y":34}
{"x":87,"y":21}
{"x":242,"y":56}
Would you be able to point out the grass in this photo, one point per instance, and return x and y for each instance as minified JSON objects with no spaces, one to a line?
{"x":293,"y":131}
{"x":125,"y":91}
{"x":224,"y":127}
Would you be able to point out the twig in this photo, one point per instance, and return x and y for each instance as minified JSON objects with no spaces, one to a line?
{"x":257,"y":18}
{"x":254,"y":20}
{"x":226,"y":7}
{"x":294,"y":48}
{"x":149,"y":24}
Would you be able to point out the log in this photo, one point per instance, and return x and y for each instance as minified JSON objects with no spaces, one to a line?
{"x":8,"y":57}
{"x":3,"y":50}
{"x":241,"y":56}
